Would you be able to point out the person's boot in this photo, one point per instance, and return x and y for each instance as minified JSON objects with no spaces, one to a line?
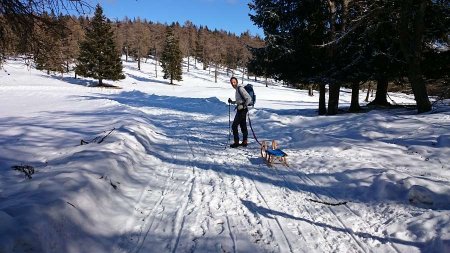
{"x":244,"y":143}
{"x":235,"y":144}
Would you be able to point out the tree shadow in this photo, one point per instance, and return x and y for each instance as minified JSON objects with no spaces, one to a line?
{"x":84,"y":82}
{"x":62,"y":226}
{"x":148,"y":80}
{"x":207,"y":106}
{"x":201,"y":77}
{"x":271,"y":214}
{"x":293,"y":112}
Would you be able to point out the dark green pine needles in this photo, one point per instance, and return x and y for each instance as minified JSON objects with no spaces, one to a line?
{"x":171,"y":57}
{"x":99,"y":58}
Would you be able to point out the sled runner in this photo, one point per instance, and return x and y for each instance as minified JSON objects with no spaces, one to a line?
{"x":273,"y":153}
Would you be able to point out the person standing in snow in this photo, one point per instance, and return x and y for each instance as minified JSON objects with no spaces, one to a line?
{"x":243,"y":100}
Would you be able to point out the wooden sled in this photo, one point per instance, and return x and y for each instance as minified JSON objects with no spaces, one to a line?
{"x":273,"y":153}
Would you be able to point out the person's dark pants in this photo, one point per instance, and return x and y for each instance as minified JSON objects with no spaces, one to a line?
{"x":240,"y":119}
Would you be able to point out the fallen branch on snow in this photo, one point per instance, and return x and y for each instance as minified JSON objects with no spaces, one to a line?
{"x":113,"y":185}
{"x":71,"y":204}
{"x":26,"y":169}
{"x":99,"y":139}
{"x":328,"y":203}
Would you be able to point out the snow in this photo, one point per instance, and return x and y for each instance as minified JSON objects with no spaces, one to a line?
{"x":164,"y":181}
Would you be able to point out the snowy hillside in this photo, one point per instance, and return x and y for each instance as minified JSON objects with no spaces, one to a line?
{"x":157,"y":175}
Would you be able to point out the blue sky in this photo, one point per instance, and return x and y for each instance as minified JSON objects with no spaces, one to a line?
{"x":229,"y":15}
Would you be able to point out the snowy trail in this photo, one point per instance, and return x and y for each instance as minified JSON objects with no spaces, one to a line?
{"x":235,"y":186}
{"x":227,"y":201}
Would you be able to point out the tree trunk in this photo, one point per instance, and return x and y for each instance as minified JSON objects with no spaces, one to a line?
{"x":100,"y":82}
{"x":381,"y":95}
{"x":322,"y":102}
{"x":156,"y":68}
{"x":139,"y":62}
{"x":188,"y":63}
{"x":411,"y":44}
{"x":419,"y":88}
{"x":369,"y":87}
{"x":333,"y":99}
{"x":126,"y":54}
{"x":156,"y":63}
{"x":243,"y":74}
{"x":267,"y":83}
{"x":310,"y":90}
{"x":354,"y":105}
{"x":334,"y":88}
{"x":215,"y":74}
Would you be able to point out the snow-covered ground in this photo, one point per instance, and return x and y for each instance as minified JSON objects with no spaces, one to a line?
{"x":162,"y":180}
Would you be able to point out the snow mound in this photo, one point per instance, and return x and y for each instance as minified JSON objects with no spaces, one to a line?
{"x":400,"y":187}
{"x":420,"y":195}
{"x":427,"y":193}
{"x":388,"y":186}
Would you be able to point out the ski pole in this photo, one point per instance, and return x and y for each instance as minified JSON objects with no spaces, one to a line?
{"x":229,"y":122}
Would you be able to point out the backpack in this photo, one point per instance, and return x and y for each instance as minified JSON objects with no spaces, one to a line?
{"x":251,"y":92}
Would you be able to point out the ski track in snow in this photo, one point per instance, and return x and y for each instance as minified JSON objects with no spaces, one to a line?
{"x":274,"y":226}
{"x":217,"y":187}
{"x":274,"y":229}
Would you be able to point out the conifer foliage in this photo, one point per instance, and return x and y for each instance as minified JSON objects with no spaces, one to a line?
{"x":348,"y":43}
{"x":98,"y":55}
{"x":171,"y":57}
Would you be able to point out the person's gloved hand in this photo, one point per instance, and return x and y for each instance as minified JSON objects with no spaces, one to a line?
{"x":231,"y":101}
{"x":240,"y":107}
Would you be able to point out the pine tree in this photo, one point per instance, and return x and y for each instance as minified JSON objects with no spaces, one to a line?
{"x":98,"y":55}
{"x":199,"y":47}
{"x":171,"y":57}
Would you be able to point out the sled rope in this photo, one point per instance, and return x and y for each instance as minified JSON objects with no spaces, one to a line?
{"x":253,"y":132}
